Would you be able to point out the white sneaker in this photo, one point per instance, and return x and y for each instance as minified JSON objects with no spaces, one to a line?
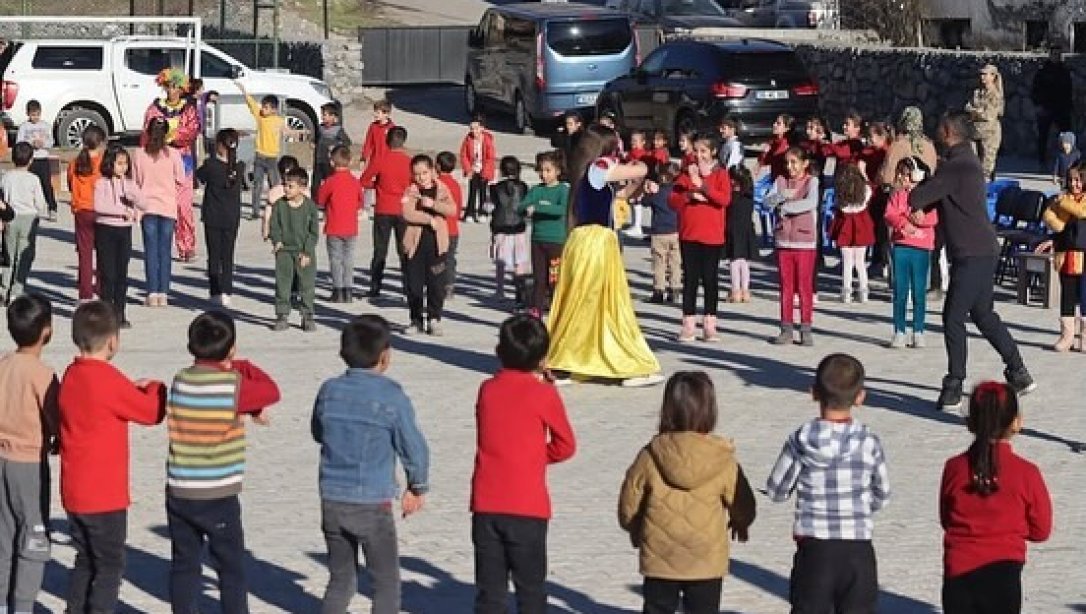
{"x":918,"y":341}
{"x":897,"y":341}
{"x":863,"y":295}
{"x":846,"y":298}
{"x":633,"y":233}
{"x":562,"y":382}
{"x":225,"y":298}
{"x":814,"y":300}
{"x":643,"y":381}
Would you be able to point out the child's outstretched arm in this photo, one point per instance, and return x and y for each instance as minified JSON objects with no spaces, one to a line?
{"x":782,"y":480}
{"x":741,"y":507}
{"x":256,"y":389}
{"x":880,"y":480}
{"x":142,"y":401}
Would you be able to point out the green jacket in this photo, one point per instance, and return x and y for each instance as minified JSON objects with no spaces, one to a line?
{"x":551,"y":208}
{"x":297,"y":228}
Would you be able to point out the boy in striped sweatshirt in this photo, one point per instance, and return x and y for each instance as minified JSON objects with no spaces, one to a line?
{"x":206,"y":463}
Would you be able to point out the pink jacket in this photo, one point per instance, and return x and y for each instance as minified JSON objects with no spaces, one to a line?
{"x":796,"y":201}
{"x":109,"y":209}
{"x":902,"y":230}
{"x":158,"y":179}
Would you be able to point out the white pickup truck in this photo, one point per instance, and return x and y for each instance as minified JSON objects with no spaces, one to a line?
{"x":111,"y":83}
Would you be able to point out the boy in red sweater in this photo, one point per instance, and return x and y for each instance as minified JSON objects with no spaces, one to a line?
{"x":478,"y":159}
{"x":661,"y":153}
{"x":97,"y":402}
{"x":701,"y":196}
{"x":390,"y":175}
{"x":341,"y":196}
{"x":375,"y":146}
{"x":509,"y":500}
{"x":446,"y":163}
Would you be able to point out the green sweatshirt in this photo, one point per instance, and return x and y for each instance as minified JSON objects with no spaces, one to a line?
{"x":297,"y":228}
{"x":551,"y":207}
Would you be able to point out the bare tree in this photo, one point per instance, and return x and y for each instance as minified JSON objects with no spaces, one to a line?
{"x":895,"y":20}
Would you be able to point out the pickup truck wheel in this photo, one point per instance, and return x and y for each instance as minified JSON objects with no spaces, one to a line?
{"x":72,"y":122}
{"x":297,"y":119}
{"x":471,"y":99}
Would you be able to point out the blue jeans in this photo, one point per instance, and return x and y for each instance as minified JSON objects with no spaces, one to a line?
{"x":910,"y":277}
{"x":157,"y":247}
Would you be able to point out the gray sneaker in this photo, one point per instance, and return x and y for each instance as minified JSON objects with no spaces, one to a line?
{"x":918,"y":341}
{"x":281,"y":324}
{"x":897,"y":341}
{"x":309,"y":325}
{"x":414,"y":328}
{"x":805,"y":337}
{"x":785,"y":337}
{"x":435,"y":328}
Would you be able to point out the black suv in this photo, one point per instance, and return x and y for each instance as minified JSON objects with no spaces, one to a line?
{"x":692,"y":85}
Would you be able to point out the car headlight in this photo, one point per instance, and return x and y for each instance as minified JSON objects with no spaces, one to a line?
{"x":322,"y":88}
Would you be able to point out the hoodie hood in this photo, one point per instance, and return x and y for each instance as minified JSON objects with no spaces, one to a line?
{"x":821,"y":443}
{"x":688,"y":460}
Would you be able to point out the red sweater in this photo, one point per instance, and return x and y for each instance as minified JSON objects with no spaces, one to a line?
{"x":458,"y":199}
{"x":376,"y":144}
{"x":847,"y":151}
{"x":489,"y":159}
{"x":341,"y":197}
{"x":662,"y":156}
{"x":521,"y":426}
{"x":705,"y":221}
{"x":96,"y":404}
{"x":390,"y":175}
{"x":774,"y":157}
{"x":982,"y":530}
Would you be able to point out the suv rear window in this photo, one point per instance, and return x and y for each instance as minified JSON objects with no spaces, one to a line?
{"x":775,"y":63}
{"x":589,"y":37}
{"x":68,"y":58}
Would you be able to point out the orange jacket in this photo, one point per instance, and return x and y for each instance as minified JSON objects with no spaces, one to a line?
{"x":82,"y":186}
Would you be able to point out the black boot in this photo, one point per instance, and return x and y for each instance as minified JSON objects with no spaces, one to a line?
{"x":347,"y":295}
{"x":519,"y":294}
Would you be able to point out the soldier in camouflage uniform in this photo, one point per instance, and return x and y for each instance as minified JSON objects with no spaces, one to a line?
{"x":986,"y":108}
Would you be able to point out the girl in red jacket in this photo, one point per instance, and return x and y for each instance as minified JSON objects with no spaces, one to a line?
{"x":773,"y":157}
{"x":477,"y":159}
{"x":852,"y":229}
{"x":701,"y":196}
{"x":991,"y":502}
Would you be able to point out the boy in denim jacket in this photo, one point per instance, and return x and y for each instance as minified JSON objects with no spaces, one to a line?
{"x":364,"y":421}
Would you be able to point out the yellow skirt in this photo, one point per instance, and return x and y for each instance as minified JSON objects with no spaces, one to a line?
{"x":593,"y":327}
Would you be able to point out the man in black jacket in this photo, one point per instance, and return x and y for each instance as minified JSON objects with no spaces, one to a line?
{"x":958,"y":190}
{"x":1051,"y":94}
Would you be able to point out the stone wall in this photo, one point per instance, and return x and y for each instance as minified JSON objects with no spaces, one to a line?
{"x":880,"y":81}
{"x":343,"y":69}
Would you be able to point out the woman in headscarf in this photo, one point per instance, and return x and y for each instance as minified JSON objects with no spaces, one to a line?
{"x":183,"y":122}
{"x":986,"y":108}
{"x":909,"y":141}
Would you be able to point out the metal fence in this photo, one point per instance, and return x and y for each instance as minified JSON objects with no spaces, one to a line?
{"x":409,"y":55}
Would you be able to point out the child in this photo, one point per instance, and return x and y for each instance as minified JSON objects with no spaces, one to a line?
{"x":284,"y":166}
{"x":639,"y":148}
{"x":426,"y":205}
{"x":639,"y":153}
{"x":391,"y":175}
{"x":294,"y":232}
{"x":1066,"y":217}
{"x":158,"y":170}
{"x":664,"y":233}
{"x":661,"y":153}
{"x":872,"y":159}
{"x":816,"y":144}
{"x":913,"y":239}
{"x":568,"y":136}
{"x":701,"y":196}
{"x":547,"y":204}
{"x":852,"y":229}
{"x":97,"y":402}
{"x":741,"y":245}
{"x":331,"y":135}
{"x":686,"y":149}
{"x":848,"y":149}
{"x":681,"y":497}
{"x":28,"y":425}
{"x":270,"y":127}
{"x":991,"y":502}
{"x":837,"y":468}
{"x":508,"y":242}
{"x":206,"y":461}
{"x":477,"y":158}
{"x":1067,"y":156}
{"x":363,"y":422}
{"x":772,"y":159}
{"x":446,"y":163}
{"x":21,"y":191}
{"x":375,"y":145}
{"x":795,"y":198}
{"x":82,"y":175}
{"x":221,"y":211}
{"x":117,"y":205}
{"x":731,"y":150}
{"x":40,"y":135}
{"x":341,"y":197}
{"x":510,"y":503}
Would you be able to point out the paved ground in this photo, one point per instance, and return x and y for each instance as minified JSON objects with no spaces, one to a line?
{"x":762,"y":395}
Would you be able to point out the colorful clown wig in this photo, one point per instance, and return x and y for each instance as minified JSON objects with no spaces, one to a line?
{"x":172,"y":77}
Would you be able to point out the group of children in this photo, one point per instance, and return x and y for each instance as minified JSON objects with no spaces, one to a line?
{"x":683,"y":495}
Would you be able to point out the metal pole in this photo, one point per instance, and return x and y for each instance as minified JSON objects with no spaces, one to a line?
{"x":325,"y":3}
{"x":222,"y":18}
{"x":275,"y":34}
{"x":131,"y":13}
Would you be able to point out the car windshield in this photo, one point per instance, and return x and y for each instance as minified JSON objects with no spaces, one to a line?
{"x":589,"y":37}
{"x":691,"y":7}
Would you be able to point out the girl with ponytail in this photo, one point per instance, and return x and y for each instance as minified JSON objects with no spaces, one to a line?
{"x":83,"y":175}
{"x":991,"y":503}
{"x":221,"y":210}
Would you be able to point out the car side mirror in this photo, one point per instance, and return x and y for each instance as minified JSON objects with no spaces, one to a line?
{"x":236,"y":72}
{"x":475,"y":39}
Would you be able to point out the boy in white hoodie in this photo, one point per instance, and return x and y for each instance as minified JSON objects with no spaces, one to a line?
{"x":837,"y":468}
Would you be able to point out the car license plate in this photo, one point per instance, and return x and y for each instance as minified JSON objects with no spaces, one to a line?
{"x":772,"y":95}
{"x":586,"y":100}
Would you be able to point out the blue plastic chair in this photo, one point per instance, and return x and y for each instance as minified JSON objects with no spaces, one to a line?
{"x":765,"y":214}
{"x":994,"y":189}
{"x":829,"y":197}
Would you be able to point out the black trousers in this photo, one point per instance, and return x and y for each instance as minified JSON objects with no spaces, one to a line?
{"x":542,"y":255}
{"x":220,"y":258}
{"x":701,"y":269}
{"x":95,"y":581}
{"x":971,"y":296}
{"x":880,"y":256}
{"x":696,"y":596}
{"x":995,"y":588}
{"x":114,"y":247}
{"x":321,"y":170}
{"x":1045,"y":120}
{"x":383,"y":228}
{"x":476,"y":196}
{"x":936,"y":256}
{"x":425,"y":273}
{"x":216,"y":522}
{"x":509,"y":546}
{"x":40,"y":168}
{"x":834,"y":575}
{"x":1070,"y":295}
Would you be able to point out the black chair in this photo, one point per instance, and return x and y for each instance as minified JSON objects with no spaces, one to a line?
{"x":1005,"y":204}
{"x":1023,"y":232}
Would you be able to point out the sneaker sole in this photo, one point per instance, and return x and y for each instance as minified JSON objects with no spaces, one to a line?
{"x":1028,"y":389}
{"x":642,"y":382}
{"x":956,"y":407}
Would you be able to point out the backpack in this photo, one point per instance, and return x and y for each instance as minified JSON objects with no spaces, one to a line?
{"x":506,"y":196}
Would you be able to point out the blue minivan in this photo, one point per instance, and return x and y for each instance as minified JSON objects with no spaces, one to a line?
{"x":539,"y":60}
